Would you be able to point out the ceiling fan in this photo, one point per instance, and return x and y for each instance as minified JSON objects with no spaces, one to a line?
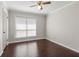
{"x":40,"y":4}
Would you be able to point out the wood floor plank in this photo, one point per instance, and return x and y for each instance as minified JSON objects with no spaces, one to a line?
{"x":37,"y":48}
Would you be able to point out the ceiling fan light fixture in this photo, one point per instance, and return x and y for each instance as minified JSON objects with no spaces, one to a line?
{"x":40,"y":4}
{"x":40,"y":7}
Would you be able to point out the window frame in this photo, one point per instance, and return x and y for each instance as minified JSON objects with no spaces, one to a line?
{"x":26,"y":27}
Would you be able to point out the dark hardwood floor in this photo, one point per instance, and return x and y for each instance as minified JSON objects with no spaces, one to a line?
{"x":37,"y":48}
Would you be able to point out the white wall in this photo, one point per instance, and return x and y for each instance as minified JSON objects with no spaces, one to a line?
{"x":63,"y":26}
{"x":41,"y":24}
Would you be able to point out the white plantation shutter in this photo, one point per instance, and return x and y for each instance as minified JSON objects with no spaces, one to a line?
{"x":25,"y":27}
{"x":31,"y":27}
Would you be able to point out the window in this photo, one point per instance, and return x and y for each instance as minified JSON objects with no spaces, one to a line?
{"x":31,"y":27}
{"x":25,"y":27}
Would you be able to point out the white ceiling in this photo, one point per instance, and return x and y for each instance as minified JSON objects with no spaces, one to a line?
{"x":24,"y":6}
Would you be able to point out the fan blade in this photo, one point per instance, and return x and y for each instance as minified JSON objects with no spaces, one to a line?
{"x":33,"y":5}
{"x":46,"y":2}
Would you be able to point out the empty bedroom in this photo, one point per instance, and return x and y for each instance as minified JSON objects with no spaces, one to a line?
{"x":39,"y":28}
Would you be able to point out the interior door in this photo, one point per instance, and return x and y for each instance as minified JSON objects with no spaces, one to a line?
{"x":0,"y":30}
{"x":5,"y":27}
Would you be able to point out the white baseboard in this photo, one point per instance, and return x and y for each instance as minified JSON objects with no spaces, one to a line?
{"x":1,"y":53}
{"x":16,"y":41}
{"x":63,"y":45}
